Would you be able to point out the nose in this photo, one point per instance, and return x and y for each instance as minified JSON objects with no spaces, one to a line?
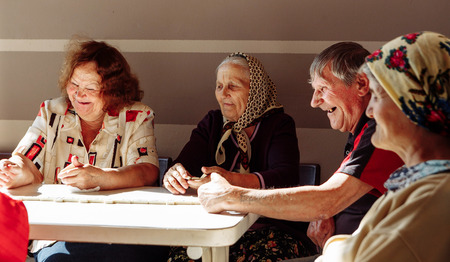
{"x":81,"y":91}
{"x":316,"y":99}
{"x":369,"y":110}
{"x":225,"y":91}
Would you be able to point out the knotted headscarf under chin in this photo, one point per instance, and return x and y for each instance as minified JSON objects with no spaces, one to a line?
{"x":262,"y":101}
{"x":414,"y":71}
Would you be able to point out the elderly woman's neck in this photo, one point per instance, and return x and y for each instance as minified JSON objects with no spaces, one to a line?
{"x":89,"y":130}
{"x":91,"y":125}
{"x":431,"y":147}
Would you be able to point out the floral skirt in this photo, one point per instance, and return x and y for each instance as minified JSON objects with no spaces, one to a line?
{"x":266,"y":244}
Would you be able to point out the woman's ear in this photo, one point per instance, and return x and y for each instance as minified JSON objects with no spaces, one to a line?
{"x":362,"y":84}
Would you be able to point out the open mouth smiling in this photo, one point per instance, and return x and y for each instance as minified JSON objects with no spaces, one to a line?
{"x":82,"y":103}
{"x":331,"y":110}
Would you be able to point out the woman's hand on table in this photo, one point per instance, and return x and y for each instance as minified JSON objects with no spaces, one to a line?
{"x":206,"y":178}
{"x":175,"y":179}
{"x":249,"y":180}
{"x":82,"y":176}
{"x":18,"y":171}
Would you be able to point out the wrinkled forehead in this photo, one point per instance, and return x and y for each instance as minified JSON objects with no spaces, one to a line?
{"x":237,"y":71}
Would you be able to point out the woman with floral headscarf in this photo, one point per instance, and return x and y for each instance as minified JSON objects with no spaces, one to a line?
{"x":251,"y":142}
{"x":409,"y":82}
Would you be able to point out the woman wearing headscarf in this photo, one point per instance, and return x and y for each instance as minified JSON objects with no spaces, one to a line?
{"x":251,"y":142}
{"x":409,"y":81}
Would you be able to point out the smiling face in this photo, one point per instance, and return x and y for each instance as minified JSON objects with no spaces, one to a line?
{"x":392,"y":123}
{"x":232,"y":90}
{"x":343,"y":104}
{"x":83,"y":90}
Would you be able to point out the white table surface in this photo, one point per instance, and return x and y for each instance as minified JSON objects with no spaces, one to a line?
{"x":107,"y":220}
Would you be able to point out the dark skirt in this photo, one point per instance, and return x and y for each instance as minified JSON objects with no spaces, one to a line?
{"x":264,"y":244}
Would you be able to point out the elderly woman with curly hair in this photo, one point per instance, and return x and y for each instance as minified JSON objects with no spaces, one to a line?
{"x":97,"y":135}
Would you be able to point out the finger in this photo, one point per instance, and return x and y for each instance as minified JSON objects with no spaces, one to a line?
{"x":323,"y":241}
{"x":215,"y":177}
{"x":312,"y":233}
{"x":180,"y":174}
{"x":211,"y":169}
{"x":4,"y":179}
{"x":69,"y":180}
{"x":197,"y":183}
{"x":65,"y":173}
{"x":325,"y":238}
{"x":182,"y":171}
{"x":75,"y":161}
{"x":316,"y":242}
{"x":6,"y":164}
{"x":173,"y":185}
{"x":206,"y":170}
{"x":171,"y":189}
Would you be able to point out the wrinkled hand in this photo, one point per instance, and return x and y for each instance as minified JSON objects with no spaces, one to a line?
{"x":207,"y":171}
{"x":215,"y":169}
{"x":82,"y":176}
{"x":17,"y":171}
{"x":213,"y":195}
{"x":175,"y":179}
{"x":320,"y":231}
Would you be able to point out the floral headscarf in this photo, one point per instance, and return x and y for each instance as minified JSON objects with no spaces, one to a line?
{"x":262,"y":100}
{"x":414,"y":71}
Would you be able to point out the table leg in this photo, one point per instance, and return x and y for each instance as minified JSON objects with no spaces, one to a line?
{"x":215,"y":254}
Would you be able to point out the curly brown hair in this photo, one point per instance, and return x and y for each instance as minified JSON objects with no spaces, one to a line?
{"x":119,"y":87}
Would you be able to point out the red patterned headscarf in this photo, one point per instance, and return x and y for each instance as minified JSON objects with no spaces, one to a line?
{"x":414,"y":70}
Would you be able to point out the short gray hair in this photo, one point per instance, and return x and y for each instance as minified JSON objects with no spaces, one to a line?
{"x":366,"y":70}
{"x":345,"y":59}
{"x":237,"y":60}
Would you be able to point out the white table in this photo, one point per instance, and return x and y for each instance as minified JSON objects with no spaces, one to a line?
{"x":181,"y":222}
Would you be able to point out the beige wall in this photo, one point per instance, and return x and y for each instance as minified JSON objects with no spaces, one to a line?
{"x":174,"y":46}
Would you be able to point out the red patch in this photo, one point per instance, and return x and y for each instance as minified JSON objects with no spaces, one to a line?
{"x":113,"y":113}
{"x":42,"y":105}
{"x":132,"y":114}
{"x":56,"y":175}
{"x":36,"y":148}
{"x":70,"y":158}
{"x":142,"y":151}
{"x":41,"y":141}
{"x":67,"y":109}
{"x":33,"y":152}
{"x":92,"y":159}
